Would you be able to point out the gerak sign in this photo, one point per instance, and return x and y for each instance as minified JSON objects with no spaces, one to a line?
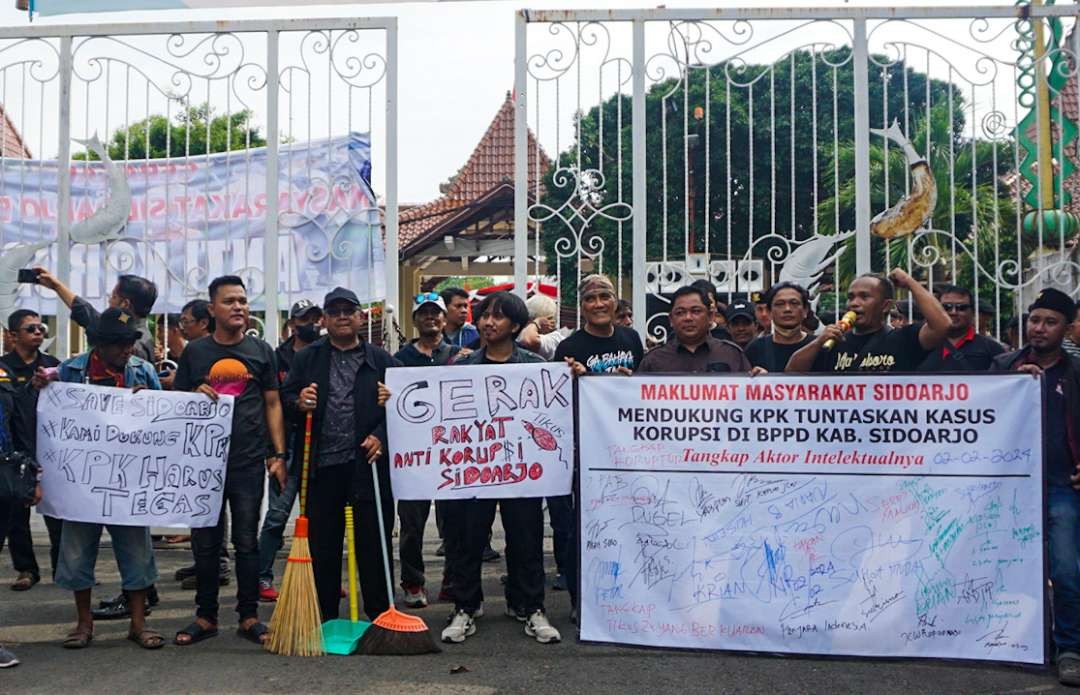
{"x":480,"y":431}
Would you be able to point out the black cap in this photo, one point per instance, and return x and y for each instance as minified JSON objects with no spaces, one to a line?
{"x":302,"y":307}
{"x":115,"y":327}
{"x":744,"y":309}
{"x":1055,"y":300}
{"x":340,"y":294}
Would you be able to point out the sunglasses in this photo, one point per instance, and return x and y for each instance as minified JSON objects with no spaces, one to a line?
{"x":348,"y":310}
{"x":956,"y":307}
{"x":36,"y":328}
{"x":426,"y":297}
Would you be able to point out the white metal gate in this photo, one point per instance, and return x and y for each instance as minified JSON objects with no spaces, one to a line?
{"x":737,"y":144}
{"x":297,"y":83}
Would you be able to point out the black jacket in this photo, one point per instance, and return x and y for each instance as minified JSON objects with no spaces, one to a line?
{"x":1070,"y":384}
{"x":312,"y":365}
{"x":14,"y":430}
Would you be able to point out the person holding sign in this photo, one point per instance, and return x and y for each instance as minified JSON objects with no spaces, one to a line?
{"x":109,"y":363}
{"x":466,"y":523}
{"x":231,"y":362}
{"x":1047,"y":322}
{"x":429,"y":350}
{"x":865,"y":343}
{"x":601,"y":346}
{"x":694,"y":349}
{"x":337,"y":379}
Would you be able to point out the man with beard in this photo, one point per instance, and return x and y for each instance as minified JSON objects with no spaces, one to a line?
{"x":871,"y":345}
{"x":788,"y":305}
{"x":1047,"y":322}
{"x":965,"y":349}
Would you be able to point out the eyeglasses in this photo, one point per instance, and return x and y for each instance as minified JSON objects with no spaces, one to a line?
{"x":36,"y":328}
{"x":347,"y":310}
{"x":427,"y":297}
{"x":956,"y":307}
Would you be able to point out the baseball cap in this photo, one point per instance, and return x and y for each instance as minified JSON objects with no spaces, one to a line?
{"x":741,"y":308}
{"x":340,"y":294}
{"x":302,"y":307}
{"x":428,"y":298}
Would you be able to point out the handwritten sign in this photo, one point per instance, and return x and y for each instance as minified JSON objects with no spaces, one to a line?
{"x":491,"y":431}
{"x":132,"y":459}
{"x":874,"y":516}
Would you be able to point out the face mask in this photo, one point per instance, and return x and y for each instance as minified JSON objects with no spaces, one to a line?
{"x":308,"y":333}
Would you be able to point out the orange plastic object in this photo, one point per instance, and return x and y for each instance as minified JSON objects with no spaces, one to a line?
{"x":396,"y":621}
{"x":301,"y":530}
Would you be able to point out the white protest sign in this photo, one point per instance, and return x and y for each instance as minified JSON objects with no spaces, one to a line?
{"x":485,"y":431}
{"x":152,"y":458}
{"x":855,"y":515}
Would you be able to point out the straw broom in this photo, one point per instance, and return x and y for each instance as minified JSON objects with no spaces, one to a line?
{"x":394,"y":632}
{"x":296,"y":626}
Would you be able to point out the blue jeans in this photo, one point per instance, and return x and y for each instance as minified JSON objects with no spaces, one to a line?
{"x":1063,"y":539}
{"x":79,"y":544}
{"x":243,"y":493}
{"x":278,"y":509}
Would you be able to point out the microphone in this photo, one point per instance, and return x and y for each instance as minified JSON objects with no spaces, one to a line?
{"x":847,"y":321}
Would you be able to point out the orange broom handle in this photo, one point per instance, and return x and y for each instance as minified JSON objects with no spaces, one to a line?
{"x":304,"y":467}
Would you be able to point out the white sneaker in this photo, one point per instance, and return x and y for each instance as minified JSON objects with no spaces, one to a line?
{"x":461,"y":626}
{"x":7,"y":659}
{"x":479,"y":612}
{"x":538,"y":627}
{"x":511,"y":612}
{"x":415,"y":597}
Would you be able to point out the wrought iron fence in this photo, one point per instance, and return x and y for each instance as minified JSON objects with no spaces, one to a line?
{"x":751,"y":146}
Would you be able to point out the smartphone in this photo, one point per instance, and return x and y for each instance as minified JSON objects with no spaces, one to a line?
{"x":28,"y":276}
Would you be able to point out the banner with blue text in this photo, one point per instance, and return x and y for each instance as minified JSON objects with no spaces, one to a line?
{"x":854,"y":515}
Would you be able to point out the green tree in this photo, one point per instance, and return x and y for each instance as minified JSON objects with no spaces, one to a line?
{"x":473,"y":282}
{"x":187,"y":134}
{"x":751,"y":123}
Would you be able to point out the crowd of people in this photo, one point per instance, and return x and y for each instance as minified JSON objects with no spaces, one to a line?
{"x":325,"y":373}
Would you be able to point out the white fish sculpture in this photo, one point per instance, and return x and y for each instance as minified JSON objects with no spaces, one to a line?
{"x":914,"y":210}
{"x":12,"y":259}
{"x":808,"y":261}
{"x":108,"y":221}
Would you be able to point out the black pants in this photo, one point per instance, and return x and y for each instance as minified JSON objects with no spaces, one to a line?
{"x":414,"y":517}
{"x":15,"y":528}
{"x":328,"y":494}
{"x":561,"y":512}
{"x":243,"y":494}
{"x":466,"y":525}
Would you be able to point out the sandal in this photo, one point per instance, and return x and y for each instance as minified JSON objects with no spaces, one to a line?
{"x":196,"y":633}
{"x":147,"y":639}
{"x":80,"y":638}
{"x":253,"y":633}
{"x":25,"y":581}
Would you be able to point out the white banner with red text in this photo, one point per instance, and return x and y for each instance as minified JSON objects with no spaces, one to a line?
{"x":860,"y":515}
{"x":484,"y":431}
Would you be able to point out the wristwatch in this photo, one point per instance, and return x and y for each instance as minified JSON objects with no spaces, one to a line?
{"x":279,"y":455}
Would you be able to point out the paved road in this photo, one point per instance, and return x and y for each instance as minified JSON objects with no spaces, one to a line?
{"x":499,"y":658}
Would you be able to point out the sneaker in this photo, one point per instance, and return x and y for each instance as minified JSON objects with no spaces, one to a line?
{"x":7,"y":659}
{"x":415,"y":597}
{"x":560,"y":582}
{"x":490,"y":554}
{"x":479,"y":612}
{"x":511,"y":612}
{"x":445,"y":593}
{"x":538,"y":627}
{"x":1069,"y":669}
{"x":267,"y":592}
{"x":441,"y":550}
{"x":460,"y":626}
{"x":185,"y":572}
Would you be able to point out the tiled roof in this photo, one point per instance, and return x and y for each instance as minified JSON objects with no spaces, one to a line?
{"x":491,"y":165}
{"x":11,"y":142}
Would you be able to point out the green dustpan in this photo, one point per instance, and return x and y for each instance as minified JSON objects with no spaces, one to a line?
{"x":343,"y":636}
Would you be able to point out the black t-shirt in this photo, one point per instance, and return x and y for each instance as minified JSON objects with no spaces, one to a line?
{"x":773,"y":356}
{"x":244,"y":371}
{"x":974,"y":354}
{"x":621,"y":349}
{"x":885,"y":350}
{"x":20,"y":372}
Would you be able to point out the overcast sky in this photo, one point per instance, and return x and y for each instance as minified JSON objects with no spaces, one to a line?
{"x":455,"y":66}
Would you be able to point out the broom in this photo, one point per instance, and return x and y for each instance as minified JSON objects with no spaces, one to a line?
{"x":394,"y":632}
{"x":296,"y":626}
